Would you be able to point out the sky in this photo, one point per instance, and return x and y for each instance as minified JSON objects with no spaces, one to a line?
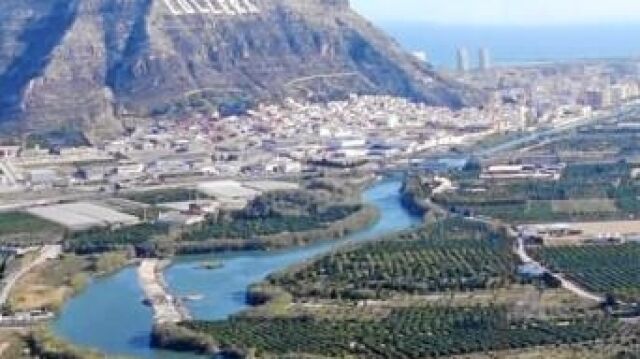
{"x":502,"y":12}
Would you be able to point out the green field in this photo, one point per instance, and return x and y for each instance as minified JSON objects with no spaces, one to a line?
{"x":613,"y":269}
{"x":165,"y":196}
{"x":584,"y":206}
{"x":417,"y":332}
{"x":451,"y":256}
{"x":23,"y":224}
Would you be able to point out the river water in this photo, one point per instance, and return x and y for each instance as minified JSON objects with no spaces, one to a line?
{"x":109,"y":315}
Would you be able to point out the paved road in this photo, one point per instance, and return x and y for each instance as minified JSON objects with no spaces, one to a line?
{"x":566,"y":284}
{"x":521,"y":252}
{"x":46,"y":253}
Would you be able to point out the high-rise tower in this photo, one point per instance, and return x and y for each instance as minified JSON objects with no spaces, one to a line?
{"x":484,"y":59}
{"x":463,"y":60}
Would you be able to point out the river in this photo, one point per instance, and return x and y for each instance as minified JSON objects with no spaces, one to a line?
{"x":110,"y":317}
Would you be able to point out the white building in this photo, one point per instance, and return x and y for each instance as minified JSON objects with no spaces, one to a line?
{"x":484,"y":60}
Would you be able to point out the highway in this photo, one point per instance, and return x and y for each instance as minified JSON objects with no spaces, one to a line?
{"x":631,"y":108}
{"x":46,"y":253}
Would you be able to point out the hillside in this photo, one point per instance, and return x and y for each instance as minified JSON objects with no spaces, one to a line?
{"x":88,"y":63}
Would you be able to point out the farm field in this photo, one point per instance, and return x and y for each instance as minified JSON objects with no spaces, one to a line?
{"x":416,"y":332}
{"x":18,"y":222}
{"x":26,"y":228}
{"x":163,"y":196}
{"x":592,"y":143}
{"x":583,"y":206}
{"x":613,"y":269}
{"x":586,"y":192}
{"x":450,"y":256}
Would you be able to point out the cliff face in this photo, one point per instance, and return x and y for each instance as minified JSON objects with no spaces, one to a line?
{"x":87,"y":62}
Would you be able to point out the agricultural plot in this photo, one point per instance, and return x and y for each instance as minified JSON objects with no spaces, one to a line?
{"x":584,"y":206}
{"x":417,"y":332}
{"x":164,"y":196}
{"x":451,"y":256}
{"x":19,"y":227}
{"x":586,"y":192}
{"x":593,"y":144}
{"x":613,"y":269}
{"x":17,"y":222}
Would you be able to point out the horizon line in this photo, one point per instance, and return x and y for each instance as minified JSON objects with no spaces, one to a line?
{"x":502,"y":25}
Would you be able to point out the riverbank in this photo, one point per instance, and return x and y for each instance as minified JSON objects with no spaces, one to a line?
{"x":223,"y":290}
{"x":168,"y":308}
{"x":366,"y":216}
{"x":50,"y":284}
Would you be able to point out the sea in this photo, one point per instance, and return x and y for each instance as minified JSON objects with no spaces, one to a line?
{"x":518,"y":44}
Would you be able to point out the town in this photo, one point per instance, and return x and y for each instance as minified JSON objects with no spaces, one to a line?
{"x":366,"y":132}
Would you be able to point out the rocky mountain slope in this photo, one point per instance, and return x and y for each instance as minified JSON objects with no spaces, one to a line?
{"x":88,"y":63}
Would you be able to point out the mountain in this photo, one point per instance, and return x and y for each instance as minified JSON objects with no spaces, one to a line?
{"x":89,"y":63}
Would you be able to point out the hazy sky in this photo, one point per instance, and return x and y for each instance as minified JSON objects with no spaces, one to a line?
{"x":502,"y":12}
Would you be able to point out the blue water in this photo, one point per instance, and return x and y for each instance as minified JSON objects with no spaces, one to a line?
{"x":518,"y":43}
{"x":109,"y":315}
